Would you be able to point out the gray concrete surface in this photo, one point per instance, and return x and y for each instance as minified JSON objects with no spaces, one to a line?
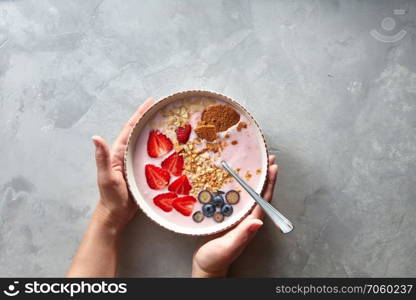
{"x":337,"y":105}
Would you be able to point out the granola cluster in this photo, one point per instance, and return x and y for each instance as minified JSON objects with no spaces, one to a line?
{"x":177,"y":116}
{"x":201,"y":170}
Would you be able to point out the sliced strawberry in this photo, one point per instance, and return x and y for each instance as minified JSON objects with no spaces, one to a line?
{"x":173,"y":164}
{"x":180,"y":186}
{"x":182,"y":133}
{"x":164,"y":201}
{"x":156,"y":177}
{"x":158,"y":144}
{"x":184,"y":205}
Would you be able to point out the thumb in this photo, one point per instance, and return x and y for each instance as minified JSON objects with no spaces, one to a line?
{"x":243,"y":233}
{"x":102,"y":159}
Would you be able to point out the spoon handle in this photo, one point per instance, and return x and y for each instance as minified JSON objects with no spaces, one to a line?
{"x":280,"y":220}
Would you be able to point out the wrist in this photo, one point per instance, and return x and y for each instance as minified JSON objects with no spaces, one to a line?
{"x":107,"y":220}
{"x":198,"y":272}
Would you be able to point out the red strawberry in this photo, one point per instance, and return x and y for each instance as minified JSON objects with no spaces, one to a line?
{"x":164,"y":201}
{"x":180,"y":186}
{"x":156,"y":177}
{"x":158,"y":144}
{"x":184,"y":205}
{"x":173,"y":164}
{"x":182,"y":133}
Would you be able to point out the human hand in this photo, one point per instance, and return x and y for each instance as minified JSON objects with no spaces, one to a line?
{"x":116,"y":206}
{"x":216,"y":253}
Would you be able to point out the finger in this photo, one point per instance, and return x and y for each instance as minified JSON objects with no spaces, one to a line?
{"x":103,"y":159}
{"x":268,"y":192}
{"x":125,"y":132}
{"x":272,"y":159}
{"x":238,"y":238}
{"x":271,"y":181}
{"x":257,"y":211}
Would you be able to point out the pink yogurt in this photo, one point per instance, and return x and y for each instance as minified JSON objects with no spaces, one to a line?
{"x":248,"y":155}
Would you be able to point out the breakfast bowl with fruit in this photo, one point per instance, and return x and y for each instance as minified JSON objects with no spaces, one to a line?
{"x":173,"y":162}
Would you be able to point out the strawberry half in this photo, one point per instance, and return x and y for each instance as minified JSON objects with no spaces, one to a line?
{"x":184,"y":205}
{"x":156,"y":177}
{"x":158,"y":144}
{"x":182,"y":133}
{"x":164,"y":201}
{"x":173,"y":164}
{"x":180,"y":186}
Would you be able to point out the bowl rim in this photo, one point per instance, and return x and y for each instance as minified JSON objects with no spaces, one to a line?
{"x":190,"y":93}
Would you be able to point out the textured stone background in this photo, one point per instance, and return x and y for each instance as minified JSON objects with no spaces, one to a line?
{"x":337,"y":105}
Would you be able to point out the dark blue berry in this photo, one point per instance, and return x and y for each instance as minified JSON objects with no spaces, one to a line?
{"x":218,"y":200}
{"x":208,"y":209}
{"x":227,"y":210}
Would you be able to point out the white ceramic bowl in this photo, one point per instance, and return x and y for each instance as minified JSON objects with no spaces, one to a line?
{"x":150,"y":209}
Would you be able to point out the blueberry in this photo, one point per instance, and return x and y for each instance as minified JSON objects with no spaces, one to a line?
{"x":208,"y":209}
{"x":204,"y":196}
{"x":232,"y":197}
{"x":218,"y":217}
{"x":218,"y":200}
{"x":227,"y":210}
{"x":198,"y":217}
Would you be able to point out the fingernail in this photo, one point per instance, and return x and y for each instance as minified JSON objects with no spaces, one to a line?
{"x":94,"y":140}
{"x":255,"y":226}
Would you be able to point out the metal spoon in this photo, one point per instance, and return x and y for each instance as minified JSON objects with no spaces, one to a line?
{"x":280,"y":220}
